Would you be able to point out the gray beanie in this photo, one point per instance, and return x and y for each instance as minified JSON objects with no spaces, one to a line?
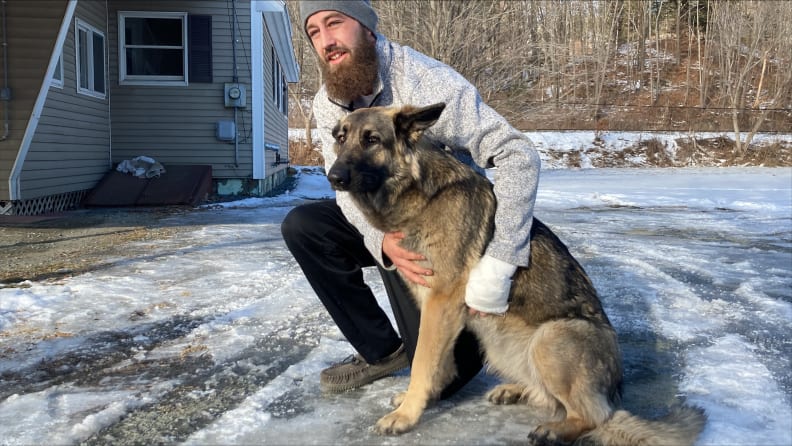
{"x":359,"y":10}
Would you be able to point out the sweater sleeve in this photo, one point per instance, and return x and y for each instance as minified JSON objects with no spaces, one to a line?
{"x":470,"y":124}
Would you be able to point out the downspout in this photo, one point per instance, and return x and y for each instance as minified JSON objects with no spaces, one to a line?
{"x":107,"y":88}
{"x":234,"y":79}
{"x":256,"y":74}
{"x":5,"y":96}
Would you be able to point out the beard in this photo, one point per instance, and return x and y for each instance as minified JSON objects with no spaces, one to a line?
{"x":356,"y":76}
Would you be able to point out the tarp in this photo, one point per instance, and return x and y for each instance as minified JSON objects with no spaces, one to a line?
{"x":178,"y":185}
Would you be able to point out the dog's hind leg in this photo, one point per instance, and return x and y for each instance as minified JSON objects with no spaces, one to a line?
{"x":442,"y":320}
{"x":578,"y":362}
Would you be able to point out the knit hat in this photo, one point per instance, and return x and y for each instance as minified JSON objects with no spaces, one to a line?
{"x":359,"y":10}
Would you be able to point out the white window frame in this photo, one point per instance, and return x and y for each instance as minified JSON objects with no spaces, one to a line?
{"x":57,"y":75}
{"x":80,"y":25}
{"x":125,"y":79}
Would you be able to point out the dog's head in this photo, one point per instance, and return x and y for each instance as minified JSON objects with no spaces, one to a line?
{"x":374,"y":144}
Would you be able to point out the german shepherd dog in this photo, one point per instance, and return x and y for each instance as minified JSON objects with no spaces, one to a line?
{"x":555,"y":347}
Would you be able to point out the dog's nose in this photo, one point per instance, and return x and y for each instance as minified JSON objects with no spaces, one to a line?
{"x":339,"y":178}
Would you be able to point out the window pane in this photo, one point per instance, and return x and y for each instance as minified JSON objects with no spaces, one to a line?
{"x":58,"y":74}
{"x":82,"y":49}
{"x":153,"y":62}
{"x":98,"y":63}
{"x":274,"y":76}
{"x":153,"y":31}
{"x":285,"y":108}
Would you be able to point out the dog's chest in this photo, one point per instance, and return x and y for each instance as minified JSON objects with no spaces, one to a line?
{"x":504,"y":342}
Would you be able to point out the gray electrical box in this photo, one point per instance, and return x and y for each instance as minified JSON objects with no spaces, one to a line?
{"x":226,"y":130}
{"x":235,"y":95}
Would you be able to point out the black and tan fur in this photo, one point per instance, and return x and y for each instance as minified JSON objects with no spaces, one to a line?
{"x":555,"y":347}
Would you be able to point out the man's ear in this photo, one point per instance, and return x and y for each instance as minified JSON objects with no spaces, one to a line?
{"x":411,"y":122}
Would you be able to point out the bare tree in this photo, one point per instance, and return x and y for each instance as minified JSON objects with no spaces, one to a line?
{"x":752,"y":40}
{"x":604,"y":37}
{"x":486,"y":41}
{"x":576,"y":55}
{"x":301,"y":93}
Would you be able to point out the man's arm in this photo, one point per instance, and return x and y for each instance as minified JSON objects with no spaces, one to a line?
{"x":468,"y":123}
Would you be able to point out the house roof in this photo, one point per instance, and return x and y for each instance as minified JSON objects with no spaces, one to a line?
{"x":277,"y":18}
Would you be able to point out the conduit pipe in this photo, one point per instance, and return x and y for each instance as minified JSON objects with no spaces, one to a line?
{"x":235,"y":79}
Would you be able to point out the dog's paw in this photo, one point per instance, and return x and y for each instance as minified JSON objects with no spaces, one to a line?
{"x":397,"y":399}
{"x":506,"y":394}
{"x":543,"y":437}
{"x":394,"y":423}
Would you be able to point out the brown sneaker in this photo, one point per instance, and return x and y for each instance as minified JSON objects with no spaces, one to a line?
{"x":354,"y":371}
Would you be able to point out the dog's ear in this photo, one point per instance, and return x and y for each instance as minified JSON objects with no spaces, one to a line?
{"x":412,"y":122}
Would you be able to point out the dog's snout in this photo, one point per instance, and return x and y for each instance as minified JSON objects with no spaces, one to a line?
{"x":338,"y":177}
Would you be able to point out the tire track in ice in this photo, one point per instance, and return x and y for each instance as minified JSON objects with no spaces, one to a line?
{"x":210,"y":392}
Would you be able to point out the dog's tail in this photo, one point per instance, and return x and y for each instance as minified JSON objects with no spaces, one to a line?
{"x":680,"y":427}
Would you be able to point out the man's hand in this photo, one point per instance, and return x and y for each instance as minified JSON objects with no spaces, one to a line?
{"x":404,"y":260}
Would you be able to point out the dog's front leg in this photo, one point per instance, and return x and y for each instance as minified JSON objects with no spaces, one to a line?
{"x":442,"y":319}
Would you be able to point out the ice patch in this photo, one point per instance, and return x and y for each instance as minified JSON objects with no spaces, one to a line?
{"x":739,"y":394}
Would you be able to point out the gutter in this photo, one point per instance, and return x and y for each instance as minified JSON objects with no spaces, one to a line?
{"x":16,"y":171}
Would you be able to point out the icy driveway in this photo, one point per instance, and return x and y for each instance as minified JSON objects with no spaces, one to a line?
{"x":214,"y":337}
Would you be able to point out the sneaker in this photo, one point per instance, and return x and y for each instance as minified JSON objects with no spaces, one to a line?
{"x":354,"y":371}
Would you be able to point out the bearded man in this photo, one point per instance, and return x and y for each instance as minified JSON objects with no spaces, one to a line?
{"x":331,"y":239}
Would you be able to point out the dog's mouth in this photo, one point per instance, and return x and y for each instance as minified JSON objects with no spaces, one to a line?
{"x":361,"y":181}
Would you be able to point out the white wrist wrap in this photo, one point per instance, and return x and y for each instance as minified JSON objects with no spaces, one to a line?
{"x":489,"y":284}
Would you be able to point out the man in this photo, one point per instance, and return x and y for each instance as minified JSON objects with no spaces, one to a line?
{"x":331,"y":239}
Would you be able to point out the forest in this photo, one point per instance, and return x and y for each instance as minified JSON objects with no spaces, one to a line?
{"x":648,"y":65}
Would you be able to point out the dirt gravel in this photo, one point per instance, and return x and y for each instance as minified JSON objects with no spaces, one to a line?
{"x":73,"y":242}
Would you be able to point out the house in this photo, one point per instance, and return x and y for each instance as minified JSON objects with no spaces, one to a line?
{"x":87,"y":84}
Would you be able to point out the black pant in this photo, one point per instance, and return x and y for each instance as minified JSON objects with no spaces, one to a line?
{"x":331,"y":253}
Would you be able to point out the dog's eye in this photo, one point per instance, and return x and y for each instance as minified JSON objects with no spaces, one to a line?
{"x":341,"y":138}
{"x":369,"y":138}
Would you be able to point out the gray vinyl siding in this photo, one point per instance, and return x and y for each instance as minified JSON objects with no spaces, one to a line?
{"x":32,"y":31}
{"x":176,"y":124}
{"x":70,"y":150}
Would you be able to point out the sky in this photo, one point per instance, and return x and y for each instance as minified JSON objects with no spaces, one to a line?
{"x":213,"y":336}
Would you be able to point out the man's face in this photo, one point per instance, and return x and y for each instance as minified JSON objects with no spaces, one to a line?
{"x":347,"y":54}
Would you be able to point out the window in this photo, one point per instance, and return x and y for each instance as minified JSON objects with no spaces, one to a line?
{"x":153,"y":48}
{"x":279,"y":88}
{"x":57,"y":76}
{"x":285,"y":101}
{"x":90,"y":60}
{"x":274,"y":75}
